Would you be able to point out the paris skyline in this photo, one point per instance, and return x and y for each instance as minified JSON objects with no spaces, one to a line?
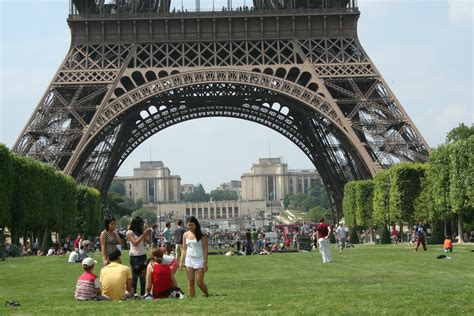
{"x":413,"y":52}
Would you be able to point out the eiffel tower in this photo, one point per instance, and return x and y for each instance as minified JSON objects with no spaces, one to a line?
{"x":135,"y":68}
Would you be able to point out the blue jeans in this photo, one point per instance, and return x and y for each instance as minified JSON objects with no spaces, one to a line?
{"x":134,"y":262}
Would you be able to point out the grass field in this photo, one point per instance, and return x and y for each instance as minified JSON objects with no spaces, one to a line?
{"x":366,"y":279}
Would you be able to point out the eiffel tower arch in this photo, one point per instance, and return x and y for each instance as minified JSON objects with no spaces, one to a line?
{"x":135,"y":68}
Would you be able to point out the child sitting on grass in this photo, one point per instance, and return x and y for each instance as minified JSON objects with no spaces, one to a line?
{"x":448,"y":245}
{"x":87,"y":286}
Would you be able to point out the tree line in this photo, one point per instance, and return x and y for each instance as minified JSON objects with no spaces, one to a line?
{"x":439,"y":192}
{"x":36,"y":199}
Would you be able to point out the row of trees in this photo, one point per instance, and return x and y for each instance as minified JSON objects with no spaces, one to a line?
{"x":437,"y":192}
{"x":36,"y":199}
{"x":200,"y":195}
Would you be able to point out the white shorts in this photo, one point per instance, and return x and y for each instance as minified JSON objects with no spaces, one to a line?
{"x":194,"y":262}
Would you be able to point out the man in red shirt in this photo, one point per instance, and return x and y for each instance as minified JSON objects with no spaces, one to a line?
{"x":322,"y":235}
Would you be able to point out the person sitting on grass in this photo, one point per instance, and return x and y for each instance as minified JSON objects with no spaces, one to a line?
{"x":160,"y":281}
{"x":448,"y":245}
{"x":116,"y":278}
{"x":73,"y":257}
{"x":87,"y":286}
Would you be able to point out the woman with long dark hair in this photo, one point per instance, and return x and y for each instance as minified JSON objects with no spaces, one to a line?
{"x":138,"y":237}
{"x":109,"y":239}
{"x":160,"y":281}
{"x":194,"y":255}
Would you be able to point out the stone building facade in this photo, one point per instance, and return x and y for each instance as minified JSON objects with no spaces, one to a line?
{"x":152,"y":183}
{"x":270,"y":180}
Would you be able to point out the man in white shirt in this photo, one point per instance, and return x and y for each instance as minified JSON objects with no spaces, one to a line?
{"x":341,"y":234}
{"x":73,"y":257}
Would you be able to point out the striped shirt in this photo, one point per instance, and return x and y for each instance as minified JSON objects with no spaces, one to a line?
{"x":86,"y":286}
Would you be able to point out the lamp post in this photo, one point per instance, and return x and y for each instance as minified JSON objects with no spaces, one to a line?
{"x":159,"y":214}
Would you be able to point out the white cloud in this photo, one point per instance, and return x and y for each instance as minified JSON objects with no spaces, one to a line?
{"x":461,"y":12}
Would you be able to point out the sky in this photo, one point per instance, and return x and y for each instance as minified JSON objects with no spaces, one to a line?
{"x":423,"y":49}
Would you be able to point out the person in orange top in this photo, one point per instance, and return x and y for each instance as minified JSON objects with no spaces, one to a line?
{"x":448,"y":245}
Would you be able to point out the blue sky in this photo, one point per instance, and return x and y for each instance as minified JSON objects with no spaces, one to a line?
{"x":424,"y":50}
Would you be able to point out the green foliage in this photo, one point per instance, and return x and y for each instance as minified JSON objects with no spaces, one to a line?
{"x":27,"y":212}
{"x":120,"y":205}
{"x":349,"y":203}
{"x":124,"y":221}
{"x":317,"y":212}
{"x":438,"y":185}
{"x":354,"y":235}
{"x":224,"y":195}
{"x":117,"y":186}
{"x":385,"y":236}
{"x":461,"y":175}
{"x":425,"y":209}
{"x":199,"y":195}
{"x":317,"y":196}
{"x":364,"y":201}
{"x":146,"y":214}
{"x":404,"y":189}
{"x":286,"y":202}
{"x":381,"y":202}
{"x":7,"y":185}
{"x":437,"y":233}
{"x":69,"y":204}
{"x":89,"y":211}
{"x":462,"y":132}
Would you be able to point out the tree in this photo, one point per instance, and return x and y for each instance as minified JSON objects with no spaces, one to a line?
{"x":199,"y":195}
{"x":462,"y":132}
{"x":146,"y":214}
{"x":405,"y":187}
{"x":89,"y":211}
{"x":385,"y":236}
{"x":317,"y":212}
{"x":349,"y":203}
{"x":7,"y":184}
{"x":381,"y":202}
{"x":364,"y":202}
{"x":120,"y":205}
{"x":117,"y":186}
{"x":224,"y":195}
{"x":286,"y":202}
{"x":69,"y":196}
{"x":461,"y":172}
{"x":437,"y":177}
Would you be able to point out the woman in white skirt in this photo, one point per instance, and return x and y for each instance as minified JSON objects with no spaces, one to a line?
{"x":194,"y":255}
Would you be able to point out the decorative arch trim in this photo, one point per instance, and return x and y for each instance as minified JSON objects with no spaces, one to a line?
{"x":310,"y":98}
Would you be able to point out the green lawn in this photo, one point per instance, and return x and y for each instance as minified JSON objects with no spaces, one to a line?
{"x":366,"y":279}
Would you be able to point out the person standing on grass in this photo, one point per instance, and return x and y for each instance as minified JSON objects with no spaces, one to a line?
{"x":341,"y":235}
{"x":167,"y":237}
{"x":194,"y":256}
{"x":322,"y":235}
{"x":109,"y":239}
{"x":138,"y":237}
{"x":420,"y":234}
{"x":116,"y":278}
{"x":178,"y":239}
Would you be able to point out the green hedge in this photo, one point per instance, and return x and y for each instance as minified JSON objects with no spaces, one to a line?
{"x":36,"y":199}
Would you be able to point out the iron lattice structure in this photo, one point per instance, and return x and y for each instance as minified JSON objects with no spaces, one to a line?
{"x":130,"y":73}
